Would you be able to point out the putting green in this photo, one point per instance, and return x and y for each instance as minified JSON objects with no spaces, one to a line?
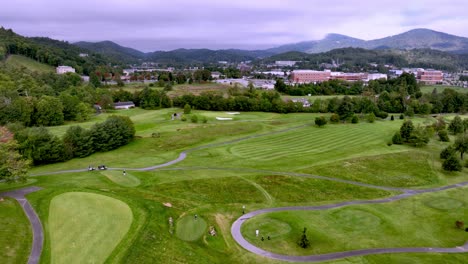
{"x":190,"y":229}
{"x":444,"y":203}
{"x":86,"y":227}
{"x":117,"y":176}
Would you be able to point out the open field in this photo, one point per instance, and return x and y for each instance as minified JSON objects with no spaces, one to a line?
{"x":21,"y":61}
{"x":441,"y":88}
{"x":257,"y":160}
{"x":15,"y":230}
{"x":86,"y":227}
{"x":197,"y":89}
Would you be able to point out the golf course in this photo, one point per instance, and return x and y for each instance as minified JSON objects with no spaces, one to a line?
{"x":199,"y":192}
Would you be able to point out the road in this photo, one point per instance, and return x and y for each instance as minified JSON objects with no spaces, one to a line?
{"x":38,"y":235}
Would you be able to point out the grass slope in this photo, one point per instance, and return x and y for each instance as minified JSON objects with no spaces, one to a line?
{"x":16,"y":235}
{"x":117,"y":177}
{"x":21,"y":61}
{"x":86,"y":227}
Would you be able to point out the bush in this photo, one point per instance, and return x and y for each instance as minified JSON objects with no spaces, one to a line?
{"x":392,"y":118}
{"x":396,"y":139}
{"x":371,"y":118}
{"x":320,"y":121}
{"x":443,"y":136}
{"x":187,"y":109}
{"x":334,"y":118}
{"x":382,"y":115}
{"x":184,"y":118}
{"x":452,"y":163}
{"x":402,"y":117}
{"x":204,"y":119}
{"x":355,"y":119}
{"x":194,"y":119}
{"x":447,"y":152}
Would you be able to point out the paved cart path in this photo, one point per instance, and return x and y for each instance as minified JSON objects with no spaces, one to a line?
{"x":38,"y":235}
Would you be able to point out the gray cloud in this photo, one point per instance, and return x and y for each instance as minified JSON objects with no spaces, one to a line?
{"x":253,"y":24}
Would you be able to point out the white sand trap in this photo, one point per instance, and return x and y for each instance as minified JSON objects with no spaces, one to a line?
{"x":233,"y":113}
{"x":167,"y":204}
{"x":223,"y":118}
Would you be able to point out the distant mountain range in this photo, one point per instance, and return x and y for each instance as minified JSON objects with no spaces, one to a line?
{"x":413,"y":39}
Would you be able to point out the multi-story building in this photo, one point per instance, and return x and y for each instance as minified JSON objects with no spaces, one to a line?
{"x":430,"y":76}
{"x":64,"y":69}
{"x":285,"y":63}
{"x":310,"y":76}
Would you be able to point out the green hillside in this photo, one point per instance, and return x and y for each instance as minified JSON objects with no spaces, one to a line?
{"x":21,"y":61}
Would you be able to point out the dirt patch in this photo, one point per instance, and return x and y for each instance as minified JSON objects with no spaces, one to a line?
{"x":1,"y":199}
{"x":167,"y":204}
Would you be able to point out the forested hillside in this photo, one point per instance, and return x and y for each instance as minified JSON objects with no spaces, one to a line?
{"x":51,"y":52}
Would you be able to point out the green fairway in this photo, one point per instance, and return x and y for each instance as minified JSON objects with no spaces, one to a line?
{"x":190,"y":228}
{"x":86,"y":227}
{"x":21,"y":61}
{"x":127,"y":180}
{"x":403,"y":223}
{"x":15,"y":233}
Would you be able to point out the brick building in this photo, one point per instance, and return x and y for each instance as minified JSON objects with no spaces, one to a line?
{"x":430,"y":76}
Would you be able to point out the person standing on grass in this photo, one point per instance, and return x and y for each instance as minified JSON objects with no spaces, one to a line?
{"x":124,"y":173}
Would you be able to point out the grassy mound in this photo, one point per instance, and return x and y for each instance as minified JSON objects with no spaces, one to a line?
{"x":117,"y":176}
{"x":86,"y":227}
{"x":190,"y":228}
{"x":16,"y":235}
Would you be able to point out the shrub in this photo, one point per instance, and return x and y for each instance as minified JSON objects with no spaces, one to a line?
{"x":194,"y":119}
{"x":452,"y":163}
{"x":402,"y":116}
{"x":392,"y":118}
{"x":371,"y":118}
{"x":396,"y":139}
{"x":460,"y":224}
{"x":187,"y":109}
{"x":447,"y":152}
{"x":184,"y":118}
{"x":320,"y":121}
{"x":334,"y":118}
{"x":204,"y":119}
{"x":443,"y":136}
{"x":382,"y":114}
{"x":355,"y":119}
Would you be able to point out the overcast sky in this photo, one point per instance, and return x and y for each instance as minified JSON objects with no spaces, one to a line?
{"x":150,"y":25}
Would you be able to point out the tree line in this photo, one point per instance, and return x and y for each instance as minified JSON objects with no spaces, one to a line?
{"x":41,"y":147}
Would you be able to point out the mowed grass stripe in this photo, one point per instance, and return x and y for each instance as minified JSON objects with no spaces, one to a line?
{"x":86,"y":227}
{"x":309,"y":143}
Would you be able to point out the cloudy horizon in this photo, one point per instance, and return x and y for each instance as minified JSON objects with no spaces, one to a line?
{"x":160,"y":25}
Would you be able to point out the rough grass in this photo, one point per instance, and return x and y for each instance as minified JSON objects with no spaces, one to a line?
{"x":21,"y":61}
{"x":86,"y":227}
{"x":404,"y":169}
{"x":190,"y":228}
{"x":299,"y":190}
{"x":403,"y":223}
{"x":15,"y":233}
{"x":117,"y":177}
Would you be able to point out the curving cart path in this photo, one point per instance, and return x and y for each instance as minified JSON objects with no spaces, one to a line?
{"x":38,"y":235}
{"x":236,"y":227}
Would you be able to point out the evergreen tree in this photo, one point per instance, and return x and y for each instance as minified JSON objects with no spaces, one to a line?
{"x":456,"y":126}
{"x":304,"y":241}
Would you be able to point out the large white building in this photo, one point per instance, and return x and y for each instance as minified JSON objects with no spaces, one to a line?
{"x":285,"y":63}
{"x":64,"y":69}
